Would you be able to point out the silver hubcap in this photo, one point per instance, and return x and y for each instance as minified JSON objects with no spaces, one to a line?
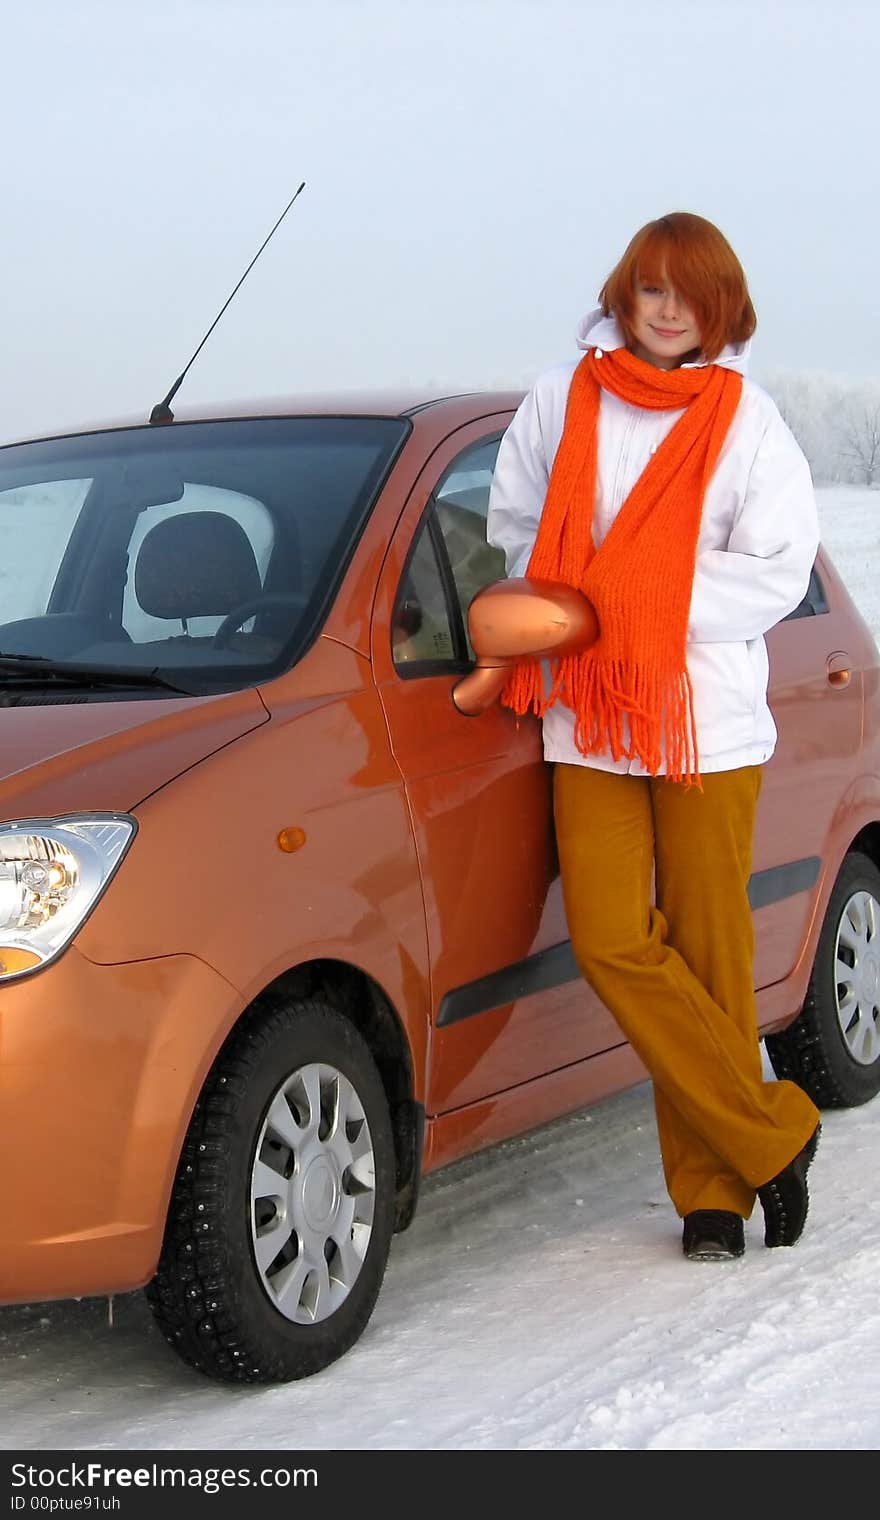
{"x":313,"y":1191}
{"x":857,"y":975}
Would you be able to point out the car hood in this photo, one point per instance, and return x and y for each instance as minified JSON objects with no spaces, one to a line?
{"x":108,"y":756}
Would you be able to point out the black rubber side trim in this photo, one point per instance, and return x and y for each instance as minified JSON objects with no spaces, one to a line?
{"x":549,"y":968}
{"x":766,"y":887}
{"x":556,"y":965}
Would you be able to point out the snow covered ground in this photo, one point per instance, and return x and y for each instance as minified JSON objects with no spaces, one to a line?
{"x":539,"y":1301}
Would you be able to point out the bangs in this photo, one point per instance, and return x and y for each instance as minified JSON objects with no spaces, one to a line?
{"x":656,"y":264}
{"x":691,"y":255}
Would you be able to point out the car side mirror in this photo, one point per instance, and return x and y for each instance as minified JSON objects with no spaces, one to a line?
{"x":520,"y":619}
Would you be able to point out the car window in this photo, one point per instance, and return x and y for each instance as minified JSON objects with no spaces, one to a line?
{"x":250,"y":515}
{"x":36,"y":522}
{"x":462,"y":502}
{"x":209,"y":550}
{"x":450,"y":562}
{"x":421,"y":628}
{"x":814,"y":602}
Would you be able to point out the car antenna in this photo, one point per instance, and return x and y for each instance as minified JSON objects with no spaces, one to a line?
{"x":162,"y":410}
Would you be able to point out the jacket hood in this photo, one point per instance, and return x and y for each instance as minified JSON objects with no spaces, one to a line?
{"x":595,"y":330}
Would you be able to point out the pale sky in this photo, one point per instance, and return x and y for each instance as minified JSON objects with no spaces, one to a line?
{"x":473,"y":171}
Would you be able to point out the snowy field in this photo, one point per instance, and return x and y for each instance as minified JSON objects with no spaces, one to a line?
{"x":539,"y":1301}
{"x":849,"y":517}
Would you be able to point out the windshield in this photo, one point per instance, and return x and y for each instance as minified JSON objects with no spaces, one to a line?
{"x":209,"y":550}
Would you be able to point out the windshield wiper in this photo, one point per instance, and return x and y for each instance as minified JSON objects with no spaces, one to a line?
{"x":39,"y":667}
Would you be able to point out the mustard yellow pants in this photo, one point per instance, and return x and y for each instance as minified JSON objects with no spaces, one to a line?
{"x":677,"y":972}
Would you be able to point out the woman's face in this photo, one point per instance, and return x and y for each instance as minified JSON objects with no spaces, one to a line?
{"x":665,"y":328}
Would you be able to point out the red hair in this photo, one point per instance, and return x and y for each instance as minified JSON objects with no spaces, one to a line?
{"x":691,"y":255}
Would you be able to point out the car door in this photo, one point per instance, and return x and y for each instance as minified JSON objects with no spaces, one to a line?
{"x":507,"y":1001}
{"x":815,"y":694}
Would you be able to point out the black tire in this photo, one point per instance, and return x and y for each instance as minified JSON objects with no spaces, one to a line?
{"x":208,"y":1294}
{"x":813,"y":1051}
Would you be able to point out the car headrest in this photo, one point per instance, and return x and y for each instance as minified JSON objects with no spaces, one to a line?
{"x":196,"y":564}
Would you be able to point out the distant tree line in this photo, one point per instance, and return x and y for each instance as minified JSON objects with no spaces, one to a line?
{"x":836,"y":423}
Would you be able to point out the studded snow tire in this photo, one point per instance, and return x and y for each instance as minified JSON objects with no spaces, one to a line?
{"x":282,"y":1210}
{"x":832,"y":1050}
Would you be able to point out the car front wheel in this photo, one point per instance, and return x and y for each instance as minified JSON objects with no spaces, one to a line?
{"x":832,"y":1050}
{"x":282,"y":1210}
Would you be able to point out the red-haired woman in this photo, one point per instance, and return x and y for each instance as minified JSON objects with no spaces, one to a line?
{"x":652,"y":476}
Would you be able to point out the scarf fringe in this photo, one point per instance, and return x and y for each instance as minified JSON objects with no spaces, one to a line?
{"x":611,"y":697}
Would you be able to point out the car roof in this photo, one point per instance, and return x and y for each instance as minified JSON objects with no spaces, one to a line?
{"x":459,"y":406}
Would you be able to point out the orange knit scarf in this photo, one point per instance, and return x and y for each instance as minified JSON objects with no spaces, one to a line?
{"x":630,"y":691}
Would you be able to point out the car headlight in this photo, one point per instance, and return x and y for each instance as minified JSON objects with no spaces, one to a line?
{"x":52,"y":872}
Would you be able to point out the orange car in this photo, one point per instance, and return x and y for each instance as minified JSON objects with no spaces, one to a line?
{"x":280,"y":928}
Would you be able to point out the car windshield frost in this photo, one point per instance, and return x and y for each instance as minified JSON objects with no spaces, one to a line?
{"x":207,"y":551}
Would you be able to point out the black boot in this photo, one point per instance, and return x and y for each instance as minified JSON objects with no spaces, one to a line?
{"x":785,"y":1199}
{"x":713,"y":1235}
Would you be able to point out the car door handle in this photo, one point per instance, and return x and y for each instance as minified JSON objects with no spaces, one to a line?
{"x":838,"y":669}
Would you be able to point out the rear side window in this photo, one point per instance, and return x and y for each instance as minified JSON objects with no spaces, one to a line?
{"x":814,"y":602}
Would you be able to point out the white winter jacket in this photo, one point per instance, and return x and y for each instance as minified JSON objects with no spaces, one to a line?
{"x":758,"y":539}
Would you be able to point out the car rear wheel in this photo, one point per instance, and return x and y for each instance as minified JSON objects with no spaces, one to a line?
{"x":832,"y":1050}
{"x":282,"y":1210}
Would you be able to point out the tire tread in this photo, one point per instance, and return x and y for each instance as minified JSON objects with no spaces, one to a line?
{"x":192,"y":1294}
